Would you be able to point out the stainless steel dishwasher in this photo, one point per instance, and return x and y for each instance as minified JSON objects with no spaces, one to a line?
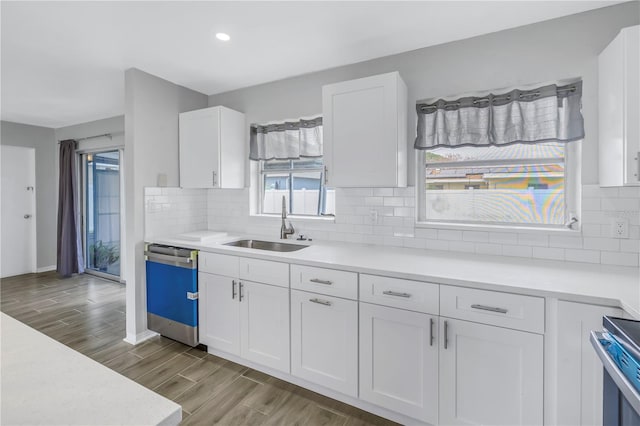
{"x":172,"y":292}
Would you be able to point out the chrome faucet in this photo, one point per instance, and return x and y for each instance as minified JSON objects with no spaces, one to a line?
{"x":284,"y":230}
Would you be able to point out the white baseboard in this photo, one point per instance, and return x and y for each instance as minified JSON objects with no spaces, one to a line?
{"x":136,"y":339}
{"x":46,"y":269}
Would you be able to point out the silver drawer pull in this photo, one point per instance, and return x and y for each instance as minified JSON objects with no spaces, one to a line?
{"x":395,"y":293}
{"x":320,"y":301}
{"x":319,"y":281}
{"x":490,"y":308}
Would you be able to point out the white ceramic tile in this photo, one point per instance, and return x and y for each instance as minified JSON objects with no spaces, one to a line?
{"x":462,"y":246}
{"x":617,"y":258}
{"x":579,"y":255}
{"x":562,"y":241}
{"x":475,"y":236}
{"x":599,"y":243}
{"x":630,"y":246}
{"x":548,"y":253}
{"x":449,"y":235}
{"x":503,"y":238}
{"x":486,"y":248}
{"x":394,"y":201}
{"x":383,"y":192}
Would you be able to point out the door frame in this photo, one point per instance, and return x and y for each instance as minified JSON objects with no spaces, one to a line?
{"x":82,"y":211}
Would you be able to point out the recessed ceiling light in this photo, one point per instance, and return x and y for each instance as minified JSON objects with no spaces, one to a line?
{"x":223,"y":36}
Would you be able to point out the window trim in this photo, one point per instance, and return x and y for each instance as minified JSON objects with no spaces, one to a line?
{"x":572,"y":196}
{"x":261,"y":172}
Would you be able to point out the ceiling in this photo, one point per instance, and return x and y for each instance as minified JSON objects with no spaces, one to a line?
{"x":63,"y":62}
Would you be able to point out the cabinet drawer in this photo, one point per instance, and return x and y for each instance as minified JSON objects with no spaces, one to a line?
{"x":219,"y":264}
{"x":264,"y":271}
{"x":398,"y":293}
{"x":492,"y":307}
{"x":325,"y":281}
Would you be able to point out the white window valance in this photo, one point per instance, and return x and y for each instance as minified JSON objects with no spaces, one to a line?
{"x":289,"y":140}
{"x":548,"y":113}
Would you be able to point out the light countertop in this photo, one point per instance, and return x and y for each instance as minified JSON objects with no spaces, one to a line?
{"x":44,"y":382}
{"x":579,"y":282}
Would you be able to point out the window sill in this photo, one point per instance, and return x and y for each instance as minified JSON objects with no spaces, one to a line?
{"x":497,"y":228}
{"x":329,"y":219}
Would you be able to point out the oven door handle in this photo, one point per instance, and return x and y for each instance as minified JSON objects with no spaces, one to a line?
{"x":626,"y":388}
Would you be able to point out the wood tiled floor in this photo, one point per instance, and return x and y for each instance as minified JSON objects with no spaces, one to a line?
{"x":88,"y":314}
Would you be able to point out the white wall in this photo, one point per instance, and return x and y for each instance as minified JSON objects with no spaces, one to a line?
{"x":547,"y":51}
{"x":152,"y":106}
{"x":43,"y":139}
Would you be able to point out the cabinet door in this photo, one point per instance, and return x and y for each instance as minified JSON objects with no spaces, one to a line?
{"x":579,"y":377}
{"x":199,"y":148}
{"x":324,"y":341}
{"x":219,"y":313}
{"x":365,"y":132}
{"x":399,"y":361}
{"x":489,"y":375}
{"x":264,"y":324}
{"x":632,"y":104}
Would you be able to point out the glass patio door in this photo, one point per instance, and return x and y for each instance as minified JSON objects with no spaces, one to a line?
{"x":101,"y":187}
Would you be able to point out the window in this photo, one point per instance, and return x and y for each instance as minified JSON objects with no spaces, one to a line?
{"x":301,"y":182}
{"x":515,"y":185}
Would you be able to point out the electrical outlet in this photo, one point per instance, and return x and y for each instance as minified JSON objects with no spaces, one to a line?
{"x":620,"y":227}
{"x":373,"y":217}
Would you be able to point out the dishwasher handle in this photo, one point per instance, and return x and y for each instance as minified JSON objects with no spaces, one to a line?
{"x":183,"y":262}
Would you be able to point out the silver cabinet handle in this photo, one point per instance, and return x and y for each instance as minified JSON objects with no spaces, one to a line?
{"x":233,"y":289}
{"x":395,"y":293}
{"x":446,"y":334}
{"x":326,"y":175}
{"x":213,"y":177}
{"x":240,"y":295}
{"x":431,"y":331}
{"x":637,"y":173}
{"x":320,"y":301}
{"x":319,"y":281}
{"x":27,"y":216}
{"x":490,"y":308}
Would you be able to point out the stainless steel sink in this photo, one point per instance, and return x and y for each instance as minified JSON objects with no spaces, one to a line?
{"x":265,"y":245}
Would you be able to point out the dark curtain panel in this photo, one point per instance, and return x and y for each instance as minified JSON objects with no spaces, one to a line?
{"x":69,"y":259}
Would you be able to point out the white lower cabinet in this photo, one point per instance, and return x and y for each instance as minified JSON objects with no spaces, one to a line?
{"x":264,"y":325}
{"x":219,"y":312}
{"x":489,"y":375}
{"x":245,"y":318}
{"x":399,"y":361}
{"x":324,"y":341}
{"x":579,"y":377}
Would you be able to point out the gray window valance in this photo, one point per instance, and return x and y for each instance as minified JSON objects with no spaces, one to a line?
{"x":286,"y":141}
{"x":549,"y":113}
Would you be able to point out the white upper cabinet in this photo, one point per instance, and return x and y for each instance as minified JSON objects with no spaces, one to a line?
{"x":212,"y":148}
{"x":365,"y":132}
{"x":618,"y":104}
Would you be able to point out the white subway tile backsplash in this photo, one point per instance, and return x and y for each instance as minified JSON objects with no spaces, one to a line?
{"x":176,"y":210}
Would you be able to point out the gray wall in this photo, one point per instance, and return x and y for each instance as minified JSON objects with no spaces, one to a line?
{"x":552,"y":50}
{"x":151,"y":148}
{"x":43,"y":139}
{"x":112,"y":125}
